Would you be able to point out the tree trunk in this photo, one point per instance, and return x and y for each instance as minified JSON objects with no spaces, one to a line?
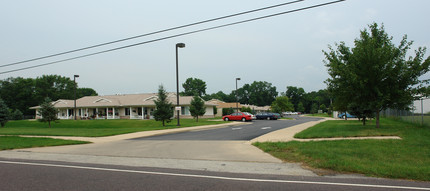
{"x":49,"y":122}
{"x":163,"y":123}
{"x":364,"y":121}
{"x":377,"y":119}
{"x":197,"y":118}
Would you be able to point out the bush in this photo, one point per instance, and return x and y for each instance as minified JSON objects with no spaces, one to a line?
{"x":17,"y":115}
{"x":227,"y":111}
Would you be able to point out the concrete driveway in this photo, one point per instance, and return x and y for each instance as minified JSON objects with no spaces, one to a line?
{"x":239,"y":156}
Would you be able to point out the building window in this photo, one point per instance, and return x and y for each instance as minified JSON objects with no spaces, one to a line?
{"x":127,"y":111}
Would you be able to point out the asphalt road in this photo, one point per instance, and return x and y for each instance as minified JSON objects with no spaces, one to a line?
{"x":37,"y":175}
{"x":246,"y":132}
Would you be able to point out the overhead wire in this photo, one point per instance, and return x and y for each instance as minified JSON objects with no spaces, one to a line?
{"x":151,"y":33}
{"x":177,"y":35}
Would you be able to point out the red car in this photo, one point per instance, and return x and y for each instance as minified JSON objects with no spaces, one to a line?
{"x":239,"y":116}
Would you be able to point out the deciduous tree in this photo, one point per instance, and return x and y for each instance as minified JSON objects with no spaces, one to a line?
{"x":282,"y":104}
{"x":375,"y":73}
{"x":194,"y":86}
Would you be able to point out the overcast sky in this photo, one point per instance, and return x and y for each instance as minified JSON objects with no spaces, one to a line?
{"x":285,"y":50}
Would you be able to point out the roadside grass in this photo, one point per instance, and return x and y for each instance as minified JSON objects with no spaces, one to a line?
{"x":94,"y":128}
{"x":408,"y":158}
{"x":319,"y":115}
{"x":15,"y":142}
{"x":352,"y":128}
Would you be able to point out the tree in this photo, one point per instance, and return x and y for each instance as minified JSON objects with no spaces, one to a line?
{"x":282,"y":104}
{"x":19,"y":93}
{"x":300,"y":107}
{"x":163,"y":108}
{"x":258,"y":93}
{"x":323,"y":108}
{"x":227,"y":111}
{"x":82,"y":92}
{"x":295,"y":94}
{"x":246,"y":109}
{"x":48,"y":112}
{"x":17,"y":115}
{"x":215,"y":110}
{"x":194,"y":86}
{"x":375,"y":74}
{"x":221,"y":96}
{"x":197,"y":107}
{"x":23,"y":93}
{"x":4,"y":113}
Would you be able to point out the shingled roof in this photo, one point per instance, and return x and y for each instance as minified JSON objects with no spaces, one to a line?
{"x":121,"y":100}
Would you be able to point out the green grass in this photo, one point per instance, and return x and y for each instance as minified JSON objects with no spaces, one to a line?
{"x":425,"y":120}
{"x":351,"y":128}
{"x":319,"y":115}
{"x":94,"y":128}
{"x":15,"y":142}
{"x":408,"y":158}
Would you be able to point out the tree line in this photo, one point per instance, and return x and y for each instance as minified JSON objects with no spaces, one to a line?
{"x":19,"y":94}
{"x":262,"y":93}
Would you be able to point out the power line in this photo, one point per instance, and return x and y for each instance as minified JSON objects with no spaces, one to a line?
{"x":151,"y":33}
{"x":177,"y":35}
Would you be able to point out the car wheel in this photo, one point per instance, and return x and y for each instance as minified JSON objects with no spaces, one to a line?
{"x":268,"y":118}
{"x":243,"y":119}
{"x":226,"y":119}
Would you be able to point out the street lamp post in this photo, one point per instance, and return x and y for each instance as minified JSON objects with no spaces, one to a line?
{"x":74,"y":81}
{"x":237,"y":100}
{"x":178,"y":45}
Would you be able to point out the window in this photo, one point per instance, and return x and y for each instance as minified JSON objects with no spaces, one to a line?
{"x":127,"y":111}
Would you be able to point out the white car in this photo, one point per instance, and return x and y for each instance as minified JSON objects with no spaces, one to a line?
{"x":252,"y":115}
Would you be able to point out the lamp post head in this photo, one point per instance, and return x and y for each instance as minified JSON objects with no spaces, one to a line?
{"x":180,"y":45}
{"x":237,"y":78}
{"x":76,"y":76}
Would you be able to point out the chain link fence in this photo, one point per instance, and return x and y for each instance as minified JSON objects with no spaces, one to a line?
{"x":419,"y":114}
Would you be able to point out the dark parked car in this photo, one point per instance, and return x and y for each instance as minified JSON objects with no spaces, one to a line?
{"x":239,"y":116}
{"x":268,"y":116}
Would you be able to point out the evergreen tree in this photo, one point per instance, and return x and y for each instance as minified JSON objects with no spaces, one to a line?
{"x":197,"y":107}
{"x":48,"y":112}
{"x":17,"y":115}
{"x":4,"y":113}
{"x":163,"y":108}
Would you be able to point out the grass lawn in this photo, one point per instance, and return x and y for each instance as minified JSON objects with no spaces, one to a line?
{"x":408,"y":158}
{"x":94,"y":128}
{"x":15,"y":142}
{"x":319,"y":115}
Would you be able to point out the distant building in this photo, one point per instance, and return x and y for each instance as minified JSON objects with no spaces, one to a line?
{"x":426,"y":106}
{"x":127,"y":106}
{"x":221,"y":104}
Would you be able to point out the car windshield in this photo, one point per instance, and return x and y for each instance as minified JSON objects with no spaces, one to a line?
{"x":246,"y":113}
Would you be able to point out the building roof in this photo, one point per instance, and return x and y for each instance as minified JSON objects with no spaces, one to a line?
{"x":123,"y":100}
{"x":229,"y":105}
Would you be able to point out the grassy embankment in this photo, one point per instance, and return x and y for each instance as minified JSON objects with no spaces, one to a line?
{"x":408,"y":158}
